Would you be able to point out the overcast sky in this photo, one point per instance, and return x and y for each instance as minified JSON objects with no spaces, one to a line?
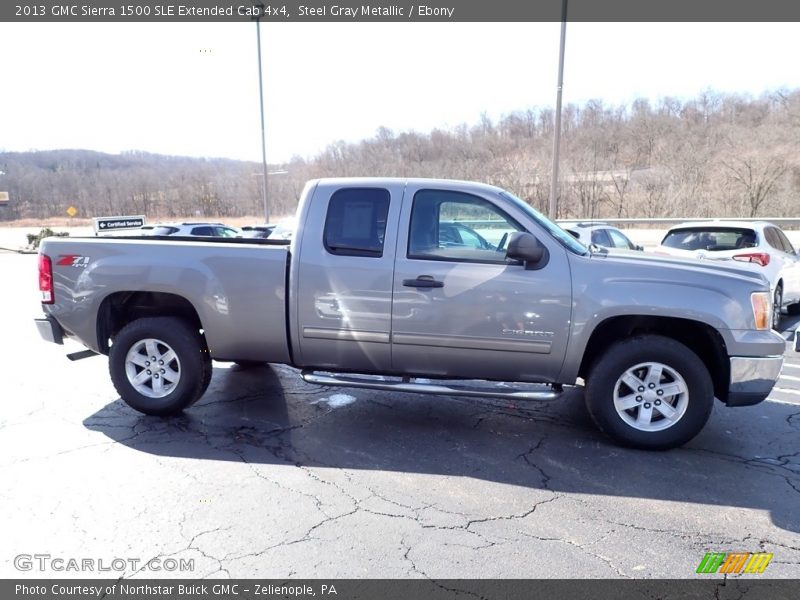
{"x":192,"y":89}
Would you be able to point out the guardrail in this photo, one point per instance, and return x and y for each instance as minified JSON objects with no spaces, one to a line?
{"x":656,"y":221}
{"x":780,"y":221}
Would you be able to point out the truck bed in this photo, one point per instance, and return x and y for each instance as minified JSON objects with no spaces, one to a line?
{"x":235,"y":286}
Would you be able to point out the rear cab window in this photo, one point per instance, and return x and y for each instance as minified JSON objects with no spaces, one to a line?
{"x":355,"y":224}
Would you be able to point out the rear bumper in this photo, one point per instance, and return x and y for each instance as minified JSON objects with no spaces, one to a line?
{"x":50,"y":330}
{"x":752,"y":379}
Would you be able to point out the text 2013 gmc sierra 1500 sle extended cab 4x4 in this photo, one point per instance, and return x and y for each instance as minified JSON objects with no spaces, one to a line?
{"x":429,"y":279}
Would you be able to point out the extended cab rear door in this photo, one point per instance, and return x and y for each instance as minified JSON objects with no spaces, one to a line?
{"x":343,"y":273}
{"x":461,"y":309}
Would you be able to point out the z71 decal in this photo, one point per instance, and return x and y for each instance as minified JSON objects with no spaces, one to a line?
{"x":72,"y":260}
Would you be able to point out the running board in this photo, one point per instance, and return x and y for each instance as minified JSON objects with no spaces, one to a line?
{"x":81,"y":355}
{"x":406,"y":385}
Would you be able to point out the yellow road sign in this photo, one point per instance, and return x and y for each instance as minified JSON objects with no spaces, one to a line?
{"x":3,"y":196}
{"x":72,"y":211}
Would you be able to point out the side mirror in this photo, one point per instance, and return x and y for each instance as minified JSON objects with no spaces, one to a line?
{"x":639,"y":248}
{"x":525,"y":247}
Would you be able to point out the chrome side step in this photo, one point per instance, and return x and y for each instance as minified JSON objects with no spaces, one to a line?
{"x":406,"y":384}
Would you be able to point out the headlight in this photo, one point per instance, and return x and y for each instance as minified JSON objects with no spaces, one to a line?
{"x":762,"y":309}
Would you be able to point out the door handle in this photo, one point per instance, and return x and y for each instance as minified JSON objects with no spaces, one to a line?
{"x":423,"y":281}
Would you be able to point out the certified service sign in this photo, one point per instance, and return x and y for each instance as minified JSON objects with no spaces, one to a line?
{"x":103,"y":224}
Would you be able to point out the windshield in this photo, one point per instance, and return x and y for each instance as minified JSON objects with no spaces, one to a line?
{"x":564,"y":238}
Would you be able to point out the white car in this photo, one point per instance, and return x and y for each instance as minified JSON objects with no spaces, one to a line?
{"x":601,"y":234}
{"x":758,"y":244}
{"x":194,"y":229}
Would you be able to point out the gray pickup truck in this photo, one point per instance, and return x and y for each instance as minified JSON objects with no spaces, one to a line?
{"x":426,"y":286}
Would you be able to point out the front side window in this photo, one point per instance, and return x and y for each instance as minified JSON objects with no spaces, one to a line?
{"x":456,"y":226}
{"x":356,"y":222}
{"x":618,"y":240}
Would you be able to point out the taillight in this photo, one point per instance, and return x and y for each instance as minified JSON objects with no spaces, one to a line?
{"x":762,"y":258}
{"x":46,"y":279}
{"x":762,"y":309}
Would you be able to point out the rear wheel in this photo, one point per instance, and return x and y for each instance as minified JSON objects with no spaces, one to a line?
{"x":793,"y":309}
{"x":649,"y":392}
{"x":159,"y":365}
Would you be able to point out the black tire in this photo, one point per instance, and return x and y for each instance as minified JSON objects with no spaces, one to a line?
{"x":793,"y":309}
{"x":682,"y":369}
{"x":777,"y":301}
{"x":208,"y":370}
{"x":191,"y":366}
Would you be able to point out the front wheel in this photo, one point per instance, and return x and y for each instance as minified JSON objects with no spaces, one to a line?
{"x":159,"y":365}
{"x":649,"y":392}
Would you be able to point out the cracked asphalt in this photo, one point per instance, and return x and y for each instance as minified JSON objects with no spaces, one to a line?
{"x":270,"y":477}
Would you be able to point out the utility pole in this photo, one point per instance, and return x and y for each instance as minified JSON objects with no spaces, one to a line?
{"x":261,"y":106}
{"x":553,"y":208}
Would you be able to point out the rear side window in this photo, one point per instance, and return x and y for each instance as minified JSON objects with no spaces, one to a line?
{"x":787,"y":245}
{"x":356,"y":222}
{"x":777,"y":240}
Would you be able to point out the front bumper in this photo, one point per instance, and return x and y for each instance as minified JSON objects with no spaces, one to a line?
{"x":752,"y":379}
{"x":50,"y":330}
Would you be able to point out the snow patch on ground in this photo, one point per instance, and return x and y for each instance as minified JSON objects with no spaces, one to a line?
{"x":337,"y":400}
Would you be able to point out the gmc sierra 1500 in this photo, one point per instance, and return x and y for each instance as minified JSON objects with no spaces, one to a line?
{"x":421,"y":278}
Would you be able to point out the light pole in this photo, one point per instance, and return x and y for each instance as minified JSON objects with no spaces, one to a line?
{"x":261,"y":107}
{"x":553,"y":208}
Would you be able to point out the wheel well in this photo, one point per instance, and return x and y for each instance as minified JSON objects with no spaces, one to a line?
{"x":703,"y":339}
{"x":120,"y":308}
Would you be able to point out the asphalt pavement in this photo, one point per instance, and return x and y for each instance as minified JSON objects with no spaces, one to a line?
{"x":267,"y":476}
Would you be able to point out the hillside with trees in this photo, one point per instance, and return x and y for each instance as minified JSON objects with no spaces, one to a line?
{"x":714,"y":155}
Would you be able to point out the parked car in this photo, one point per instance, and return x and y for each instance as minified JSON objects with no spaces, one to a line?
{"x":256,"y":231}
{"x":194,"y":229}
{"x":457,"y":234}
{"x":758,"y":244}
{"x":282,"y":231}
{"x":366,"y":289}
{"x":601,"y":234}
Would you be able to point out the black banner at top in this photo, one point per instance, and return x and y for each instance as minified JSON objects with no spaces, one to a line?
{"x":287,"y":11}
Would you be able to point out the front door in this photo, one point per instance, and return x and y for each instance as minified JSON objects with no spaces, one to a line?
{"x":461,"y":309}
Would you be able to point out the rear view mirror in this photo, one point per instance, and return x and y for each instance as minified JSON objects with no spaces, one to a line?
{"x":525,"y":247}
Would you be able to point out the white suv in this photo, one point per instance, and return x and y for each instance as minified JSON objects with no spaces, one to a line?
{"x":759,"y":245}
{"x":194,"y":229}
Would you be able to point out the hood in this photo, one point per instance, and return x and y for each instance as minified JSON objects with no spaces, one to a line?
{"x":674,"y":267}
